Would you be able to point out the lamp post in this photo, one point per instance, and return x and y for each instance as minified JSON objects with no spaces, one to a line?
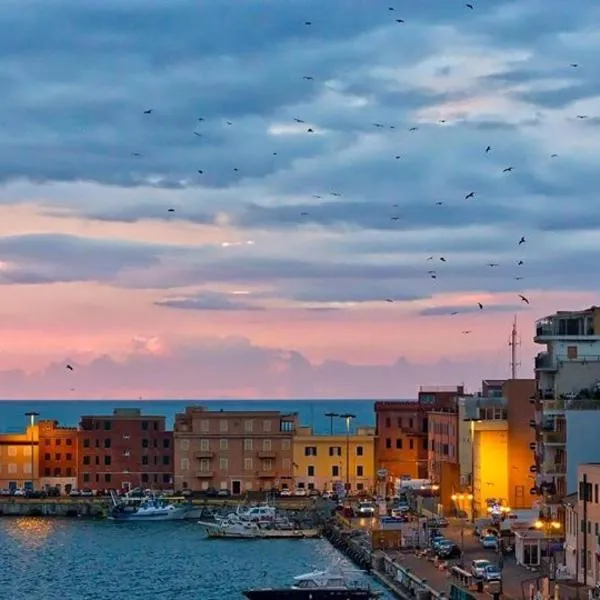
{"x":472,"y":422}
{"x":548,"y":527}
{"x":457,"y":498}
{"x":331,"y":416}
{"x":31,"y":423}
{"x":348,"y":418}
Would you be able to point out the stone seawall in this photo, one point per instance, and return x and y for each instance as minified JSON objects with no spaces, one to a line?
{"x":13,"y":507}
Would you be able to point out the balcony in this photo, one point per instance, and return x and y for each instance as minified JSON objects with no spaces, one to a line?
{"x":266,"y":454}
{"x":556,"y":405}
{"x":266,"y":475}
{"x":554,"y":468}
{"x":555,"y":438}
{"x":545,"y":362}
{"x":205,"y":474}
{"x":204,"y":454}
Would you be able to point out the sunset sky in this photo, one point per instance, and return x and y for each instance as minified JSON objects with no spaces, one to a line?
{"x":269,"y":278}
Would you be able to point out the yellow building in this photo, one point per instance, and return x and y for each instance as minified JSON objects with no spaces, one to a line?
{"x":19,"y":459}
{"x":322,"y":461}
{"x":490,"y":463}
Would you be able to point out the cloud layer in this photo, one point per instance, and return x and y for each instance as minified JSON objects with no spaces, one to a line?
{"x":294,"y":162}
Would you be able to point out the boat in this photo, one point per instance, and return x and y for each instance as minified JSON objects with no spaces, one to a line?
{"x":147,"y":508}
{"x":236,"y":528}
{"x":333,"y":583}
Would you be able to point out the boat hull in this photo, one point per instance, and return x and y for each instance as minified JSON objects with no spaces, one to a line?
{"x":171,"y":515}
{"x":261,"y":534}
{"x":312,"y":594}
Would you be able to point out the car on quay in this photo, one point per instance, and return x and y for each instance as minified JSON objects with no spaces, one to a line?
{"x":492,"y":573}
{"x":478,"y":567}
{"x":365,"y":509}
{"x":448,"y":550}
{"x":490,"y":542}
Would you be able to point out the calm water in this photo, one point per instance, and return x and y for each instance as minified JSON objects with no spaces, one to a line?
{"x":98,"y":560}
{"x":67,"y":412}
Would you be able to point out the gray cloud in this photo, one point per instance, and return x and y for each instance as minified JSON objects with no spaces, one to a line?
{"x":207,"y":301}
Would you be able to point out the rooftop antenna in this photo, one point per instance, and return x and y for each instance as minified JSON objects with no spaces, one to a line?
{"x":514,"y":343}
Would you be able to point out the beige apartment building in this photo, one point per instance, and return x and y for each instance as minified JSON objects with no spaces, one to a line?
{"x":233,"y":450}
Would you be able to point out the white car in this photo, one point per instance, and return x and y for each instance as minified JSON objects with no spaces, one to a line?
{"x":300,"y":492}
{"x":365,"y":509}
{"x":327,"y":495}
{"x":479,"y":566}
{"x":285,"y":492}
{"x":19,"y":492}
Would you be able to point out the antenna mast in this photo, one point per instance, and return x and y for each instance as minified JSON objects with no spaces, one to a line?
{"x":514,"y":343}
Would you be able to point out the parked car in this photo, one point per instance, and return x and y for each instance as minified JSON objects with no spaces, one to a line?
{"x":398,"y":513}
{"x":478,"y":567}
{"x":438,"y":541}
{"x":86,"y":492}
{"x":313,"y":493}
{"x":327,"y":495}
{"x":285,"y":492}
{"x":365,"y":509}
{"x":490,"y":542}
{"x":300,"y":492}
{"x":223,"y":493}
{"x":492,"y":573}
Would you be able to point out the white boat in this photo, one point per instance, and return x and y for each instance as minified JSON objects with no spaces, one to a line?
{"x":148,"y":508}
{"x":235,"y":528}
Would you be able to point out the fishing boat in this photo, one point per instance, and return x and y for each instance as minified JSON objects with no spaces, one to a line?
{"x":236,"y":528}
{"x":333,"y":583}
{"x":147,"y":508}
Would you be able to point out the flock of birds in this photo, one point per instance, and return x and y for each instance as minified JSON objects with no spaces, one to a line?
{"x":309,"y":129}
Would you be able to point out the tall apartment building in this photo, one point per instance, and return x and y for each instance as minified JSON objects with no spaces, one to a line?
{"x":401,"y":439}
{"x":19,"y":459}
{"x":234,"y":450}
{"x":124,"y":450}
{"x":324,"y":462}
{"x":58,"y":456}
{"x":566,"y":402}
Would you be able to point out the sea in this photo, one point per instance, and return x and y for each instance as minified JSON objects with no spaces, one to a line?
{"x":68,"y":412}
{"x":78,"y":559}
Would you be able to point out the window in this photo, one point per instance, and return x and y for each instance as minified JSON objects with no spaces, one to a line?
{"x":359,"y":451}
{"x":46,"y":456}
{"x":359,"y":471}
{"x":248,"y":425}
{"x":596,"y":493}
{"x":310,"y":471}
{"x":411,"y":444}
{"x":398,"y":443}
{"x":388,"y":422}
{"x":107,"y":460}
{"x":86,"y":478}
{"x":335,"y":451}
{"x":145,"y":477}
{"x":335,"y":471}
{"x":145,"y":443}
{"x":267,"y":464}
{"x":107,"y":477}
{"x":204,"y":425}
{"x":144,"y":425}
{"x":86,"y":460}
{"x":68,"y":456}
{"x":107,"y":442}
{"x":69,"y":472}
{"x":223,"y":464}
{"x":399,"y":421}
{"x":145,"y":460}
{"x":267,"y":425}
{"x":388,"y":443}
{"x":223,"y":425}
{"x":286,"y":426}
{"x":166,"y":460}
{"x":46,"y":472}
{"x":205,"y":465}
{"x":411,"y":423}
{"x":184,"y":445}
{"x":248,"y":464}
{"x":360,"y":487}
{"x":223,"y":445}
{"x":12,"y":450}
{"x":424,"y":440}
{"x":310,"y":451}
{"x":166,"y":478}
{"x":57,"y":442}
{"x":46,"y":442}
{"x":107,"y":425}
{"x":266,"y":445}
{"x":166,"y":443}
{"x":572,"y":352}
{"x":286,"y":444}
{"x":286,"y":464}
{"x":248,"y":445}
{"x":86,"y":443}
{"x":69,"y":442}
{"x":204,"y":445}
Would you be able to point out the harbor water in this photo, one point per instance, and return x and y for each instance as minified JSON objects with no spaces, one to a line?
{"x":77,"y":559}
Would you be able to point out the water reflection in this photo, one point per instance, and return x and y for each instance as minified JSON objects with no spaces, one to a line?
{"x":29,"y":532}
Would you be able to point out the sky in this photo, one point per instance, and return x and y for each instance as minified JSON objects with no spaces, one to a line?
{"x":216,"y":198}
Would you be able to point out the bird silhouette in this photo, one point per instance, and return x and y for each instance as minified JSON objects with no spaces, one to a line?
{"x":488,"y":149}
{"x":523,"y":299}
{"x":480,"y":305}
{"x":442,"y":259}
{"x":470,"y":195}
{"x":69,"y":367}
{"x":507,"y":170}
{"x":519,"y":263}
{"x":389,"y":300}
{"x":521,"y":241}
{"x":492,"y":264}
{"x":466,"y":332}
{"x":148,"y":112}
{"x":470,"y":6}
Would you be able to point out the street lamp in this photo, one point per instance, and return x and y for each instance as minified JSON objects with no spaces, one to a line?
{"x":331,"y":416}
{"x":472,"y":422}
{"x":348,"y":418}
{"x":31,"y":423}
{"x":457,"y":498}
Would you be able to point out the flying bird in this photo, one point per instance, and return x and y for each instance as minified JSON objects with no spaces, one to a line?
{"x":394,"y":218}
{"x":507,"y":170}
{"x":492,"y":264}
{"x":454,"y":312}
{"x":442,"y":259}
{"x":389,"y":300}
{"x":304,"y":214}
{"x":308,"y":22}
{"x":553,"y":155}
{"x":433,"y":276}
{"x":136,"y":154}
{"x":470,"y":195}
{"x":299,"y":121}
{"x":582,"y":116}
{"x":148,"y":112}
{"x":523,"y":299}
{"x":480,"y":305}
{"x":308,"y":77}
{"x":469,"y":6}
{"x":488,"y":149}
{"x":521,"y":241}
{"x":413,"y":129}
{"x":466,"y":331}
{"x":439,"y":203}
{"x":200,"y":171}
{"x":574,"y":65}
{"x":430,"y":258}
{"x":518,"y":278}
{"x":397,"y":156}
{"x":171,"y":210}
{"x":196,"y":133}
{"x":399,"y":20}
{"x":336,"y":194}
{"x":310,"y":130}
{"x":520,"y":263}
{"x":69,"y":367}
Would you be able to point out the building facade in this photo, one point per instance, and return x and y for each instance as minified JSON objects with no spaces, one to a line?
{"x":443,"y":456}
{"x":19,"y":459}
{"x":58,"y":456}
{"x":125,"y":450}
{"x":401,"y":439}
{"x":233,"y":450}
{"x":567,"y":380}
{"x":325,"y":462}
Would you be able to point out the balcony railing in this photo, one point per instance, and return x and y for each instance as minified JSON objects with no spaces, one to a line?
{"x":266,"y":454}
{"x":545,"y":361}
{"x":204,"y":454}
{"x":205,"y":474}
{"x":555,"y":437}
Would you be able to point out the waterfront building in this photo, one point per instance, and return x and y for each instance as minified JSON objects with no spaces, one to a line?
{"x":401,"y":443}
{"x":324,"y":462}
{"x":124,"y":450}
{"x":237,"y":451}
{"x":19,"y":459}
{"x":57,"y":456}
{"x":566,"y":402}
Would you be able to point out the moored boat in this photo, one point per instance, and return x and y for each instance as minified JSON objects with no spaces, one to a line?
{"x":148,"y":508}
{"x":233,"y":528}
{"x":331,"y":584}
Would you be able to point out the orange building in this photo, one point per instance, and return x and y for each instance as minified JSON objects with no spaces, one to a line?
{"x":233,"y":450}
{"x":19,"y":459}
{"x":58,"y":456}
{"x":401,"y":445}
